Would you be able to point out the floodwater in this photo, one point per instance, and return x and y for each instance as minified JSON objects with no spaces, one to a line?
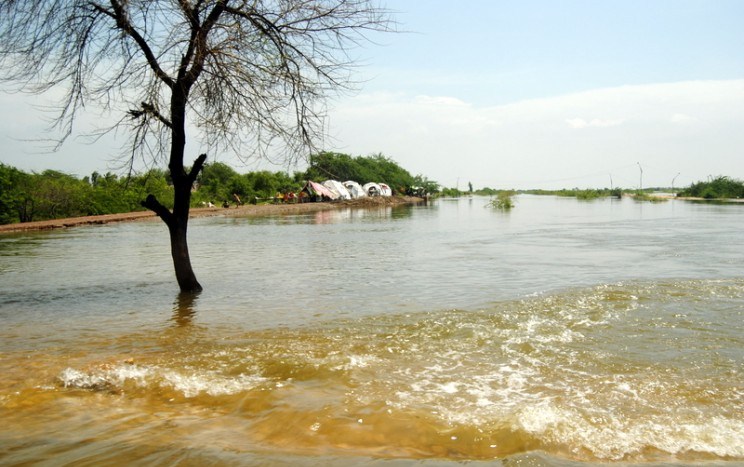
{"x":560,"y":333}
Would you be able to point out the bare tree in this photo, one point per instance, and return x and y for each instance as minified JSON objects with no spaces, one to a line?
{"x":247,"y":73}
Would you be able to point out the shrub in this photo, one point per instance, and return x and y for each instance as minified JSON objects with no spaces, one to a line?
{"x":503,"y":201}
{"x":717,"y":188}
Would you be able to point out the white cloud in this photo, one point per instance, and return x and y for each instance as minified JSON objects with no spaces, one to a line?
{"x":690,"y":127}
{"x":693,"y":128}
{"x":580,"y":123}
{"x":439,"y":101}
{"x":682,"y":119}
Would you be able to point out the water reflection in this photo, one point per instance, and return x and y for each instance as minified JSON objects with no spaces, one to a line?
{"x":184,"y":308}
{"x":337,"y":216}
{"x":332,"y":217}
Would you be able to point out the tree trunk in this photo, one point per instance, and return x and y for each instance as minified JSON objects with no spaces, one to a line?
{"x":178,"y":221}
{"x":180,"y":253}
{"x":178,"y":227}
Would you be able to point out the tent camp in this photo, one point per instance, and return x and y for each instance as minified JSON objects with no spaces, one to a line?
{"x":385,"y":190}
{"x":337,"y":188}
{"x":372,"y":189}
{"x":355,"y":189}
{"x":318,"y":192}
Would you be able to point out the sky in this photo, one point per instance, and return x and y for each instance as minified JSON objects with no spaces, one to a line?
{"x":516,"y":94}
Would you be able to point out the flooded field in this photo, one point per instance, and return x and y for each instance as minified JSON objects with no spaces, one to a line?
{"x":560,"y":333}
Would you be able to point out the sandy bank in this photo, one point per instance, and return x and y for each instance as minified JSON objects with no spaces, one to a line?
{"x":245,"y":210}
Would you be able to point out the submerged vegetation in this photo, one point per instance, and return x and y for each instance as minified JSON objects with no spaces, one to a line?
{"x":721,"y":187}
{"x":584,"y":194}
{"x":644,"y":196}
{"x":503,"y":200}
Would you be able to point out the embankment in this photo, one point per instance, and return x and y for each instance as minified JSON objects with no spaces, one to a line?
{"x":244,"y":210}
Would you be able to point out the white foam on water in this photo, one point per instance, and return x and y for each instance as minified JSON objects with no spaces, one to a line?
{"x":577,"y":419}
{"x":555,"y":368}
{"x":104,"y":377}
{"x":615,"y":436}
{"x":191,"y":385}
{"x":558,"y":369}
{"x":72,"y":378}
{"x":540,"y":417}
{"x":357,"y":361}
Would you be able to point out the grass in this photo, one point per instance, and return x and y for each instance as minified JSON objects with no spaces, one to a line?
{"x":642,"y":196}
{"x":587,"y":194}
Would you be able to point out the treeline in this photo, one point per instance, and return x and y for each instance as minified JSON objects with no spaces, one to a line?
{"x":486,"y":191}
{"x":376,"y":168}
{"x":218,"y":182}
{"x":720,"y":187}
{"x":26,"y":197}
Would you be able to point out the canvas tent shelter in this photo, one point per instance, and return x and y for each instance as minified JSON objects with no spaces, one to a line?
{"x":317,"y":191}
{"x":385,"y":190}
{"x":337,"y":188}
{"x":372,"y":189}
{"x":355,"y":189}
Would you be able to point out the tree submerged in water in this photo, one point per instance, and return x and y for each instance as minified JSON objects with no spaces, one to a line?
{"x":503,"y":200}
{"x":246,"y":74}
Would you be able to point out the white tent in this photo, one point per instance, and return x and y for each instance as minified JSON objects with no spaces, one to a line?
{"x":318,"y":191}
{"x":355,"y":189}
{"x":372,"y":189}
{"x":337,"y":188}
{"x":385,"y":190}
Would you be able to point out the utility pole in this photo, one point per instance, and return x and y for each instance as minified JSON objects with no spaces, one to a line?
{"x":641,"y":185}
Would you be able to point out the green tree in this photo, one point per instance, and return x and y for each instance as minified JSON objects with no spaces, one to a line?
{"x":451,"y":192}
{"x":247,"y":74}
{"x":53,"y":194}
{"x":14,"y":201}
{"x":58,"y":195}
{"x":718,"y":187}
{"x":376,"y":168}
{"x":427,"y":186}
{"x":337,"y":166}
{"x":216,"y":183}
{"x":388,"y":171}
{"x":263,"y":184}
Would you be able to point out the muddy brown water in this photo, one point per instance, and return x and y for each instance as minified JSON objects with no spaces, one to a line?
{"x":559,"y":333}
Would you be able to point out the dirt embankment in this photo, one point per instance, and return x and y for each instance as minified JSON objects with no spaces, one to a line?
{"x":244,"y":210}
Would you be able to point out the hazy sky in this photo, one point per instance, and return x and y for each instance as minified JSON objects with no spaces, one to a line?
{"x":522,"y":94}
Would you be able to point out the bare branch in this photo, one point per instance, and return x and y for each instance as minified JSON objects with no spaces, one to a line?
{"x":152,"y":203}
{"x":149,"y":110}
{"x":197,"y":167}
{"x":119,"y":15}
{"x":251,"y":76}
